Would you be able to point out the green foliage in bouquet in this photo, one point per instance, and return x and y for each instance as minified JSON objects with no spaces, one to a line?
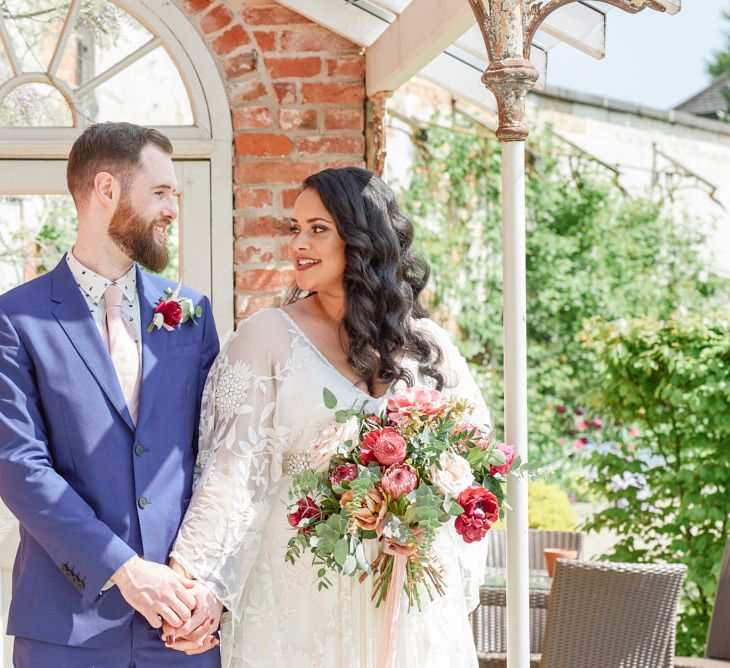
{"x":667,"y":482}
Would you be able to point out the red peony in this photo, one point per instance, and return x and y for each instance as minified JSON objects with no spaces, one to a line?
{"x":481,"y":510}
{"x":366,"y":447}
{"x":418,"y":400}
{"x":388,"y":446}
{"x":306,"y":508}
{"x":171,"y":312}
{"x":509,"y":453}
{"x":343,"y":473}
{"x":399,"y":479}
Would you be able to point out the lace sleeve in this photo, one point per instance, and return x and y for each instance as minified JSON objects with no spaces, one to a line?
{"x":238,"y":469}
{"x":460,"y":383}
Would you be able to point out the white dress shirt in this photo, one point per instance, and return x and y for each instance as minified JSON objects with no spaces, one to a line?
{"x":92,"y":287}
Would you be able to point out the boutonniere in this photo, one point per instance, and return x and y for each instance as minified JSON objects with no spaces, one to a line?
{"x":173,"y":310}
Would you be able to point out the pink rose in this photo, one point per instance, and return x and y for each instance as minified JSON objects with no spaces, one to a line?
{"x":306,"y":508}
{"x":509,"y":453}
{"x":415,"y":400}
{"x":481,"y":510}
{"x":388,"y":446}
{"x":596,"y":423}
{"x":343,"y":473}
{"x":633,"y":431}
{"x":399,"y":479}
{"x":582,"y":425}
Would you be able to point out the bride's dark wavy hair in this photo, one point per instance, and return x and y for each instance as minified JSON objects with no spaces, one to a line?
{"x":383,"y":277}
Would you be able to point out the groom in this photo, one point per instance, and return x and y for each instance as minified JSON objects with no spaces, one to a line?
{"x":98,"y":420}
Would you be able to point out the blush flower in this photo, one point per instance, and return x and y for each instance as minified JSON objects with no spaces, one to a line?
{"x":388,"y":446}
{"x":414,"y":401}
{"x":343,"y":473}
{"x":481,"y":510}
{"x":453,"y":474}
{"x":399,"y":479}
{"x":509,"y":454}
{"x":334,"y":440}
{"x":307,"y":508}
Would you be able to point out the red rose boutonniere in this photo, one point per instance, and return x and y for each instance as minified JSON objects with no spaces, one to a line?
{"x":173,"y":310}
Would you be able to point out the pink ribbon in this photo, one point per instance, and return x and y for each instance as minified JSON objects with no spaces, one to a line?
{"x":401,"y":554}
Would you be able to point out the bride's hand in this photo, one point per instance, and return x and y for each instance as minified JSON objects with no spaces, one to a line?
{"x":194,"y":637}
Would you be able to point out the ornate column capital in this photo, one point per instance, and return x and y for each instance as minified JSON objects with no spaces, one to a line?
{"x":510,"y":79}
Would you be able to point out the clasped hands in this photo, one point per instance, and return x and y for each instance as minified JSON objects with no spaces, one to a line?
{"x":186,"y":611}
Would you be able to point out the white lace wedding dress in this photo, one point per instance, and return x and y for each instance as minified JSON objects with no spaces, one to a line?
{"x":262,"y":404}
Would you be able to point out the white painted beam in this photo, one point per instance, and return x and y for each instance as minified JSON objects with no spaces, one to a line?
{"x":341,"y":18}
{"x":461,"y":80}
{"x":670,"y":6}
{"x":579,"y":25}
{"x":417,"y":36}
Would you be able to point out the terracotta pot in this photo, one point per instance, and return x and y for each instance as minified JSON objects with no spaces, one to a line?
{"x":553,"y":553}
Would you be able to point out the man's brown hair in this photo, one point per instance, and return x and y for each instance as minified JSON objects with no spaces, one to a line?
{"x":108,"y":147}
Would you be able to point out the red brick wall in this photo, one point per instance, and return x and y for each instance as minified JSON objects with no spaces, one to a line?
{"x":296,"y":92}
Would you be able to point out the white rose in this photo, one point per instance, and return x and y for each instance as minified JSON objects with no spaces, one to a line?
{"x":454,"y":476}
{"x":333,"y":441}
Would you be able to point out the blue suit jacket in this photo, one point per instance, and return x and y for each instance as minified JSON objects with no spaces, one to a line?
{"x":88,"y":489}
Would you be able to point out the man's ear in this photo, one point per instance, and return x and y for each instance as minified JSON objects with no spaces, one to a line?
{"x":106,"y":189}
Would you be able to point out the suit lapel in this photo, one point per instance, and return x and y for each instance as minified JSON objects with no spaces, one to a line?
{"x":72,"y":313}
{"x":154,"y":344}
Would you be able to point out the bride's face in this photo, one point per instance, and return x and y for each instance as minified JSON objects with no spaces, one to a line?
{"x":316,"y":248}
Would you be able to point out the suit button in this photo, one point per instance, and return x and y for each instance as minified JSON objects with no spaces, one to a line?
{"x":139,"y":450}
{"x":143,"y":502}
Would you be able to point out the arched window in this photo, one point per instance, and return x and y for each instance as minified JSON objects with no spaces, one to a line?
{"x":67,"y":63}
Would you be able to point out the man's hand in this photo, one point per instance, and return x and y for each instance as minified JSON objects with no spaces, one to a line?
{"x":156,"y":591}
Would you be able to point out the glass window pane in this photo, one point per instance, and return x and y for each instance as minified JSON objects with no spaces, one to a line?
{"x":148,"y":92}
{"x":36,"y":105}
{"x":34,"y":27}
{"x":103,"y":35}
{"x":36,"y":230}
{"x":5,"y":70}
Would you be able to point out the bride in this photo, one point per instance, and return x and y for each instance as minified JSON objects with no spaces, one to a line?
{"x":355,"y":326}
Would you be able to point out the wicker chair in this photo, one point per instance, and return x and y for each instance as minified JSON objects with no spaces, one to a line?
{"x":537,"y":541}
{"x":612,"y":615}
{"x":717,"y":652}
{"x":489,"y":621}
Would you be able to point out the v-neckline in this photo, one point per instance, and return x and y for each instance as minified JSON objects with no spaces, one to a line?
{"x":328,"y":363}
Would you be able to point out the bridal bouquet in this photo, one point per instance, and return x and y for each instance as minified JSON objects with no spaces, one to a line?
{"x":399,"y":477}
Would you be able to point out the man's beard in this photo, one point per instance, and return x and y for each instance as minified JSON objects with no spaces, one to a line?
{"x":135,"y":236}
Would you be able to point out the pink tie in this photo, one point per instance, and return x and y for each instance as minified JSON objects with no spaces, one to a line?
{"x":123,"y":349}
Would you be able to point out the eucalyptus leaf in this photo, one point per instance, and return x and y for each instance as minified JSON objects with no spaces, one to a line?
{"x":330,"y":400}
